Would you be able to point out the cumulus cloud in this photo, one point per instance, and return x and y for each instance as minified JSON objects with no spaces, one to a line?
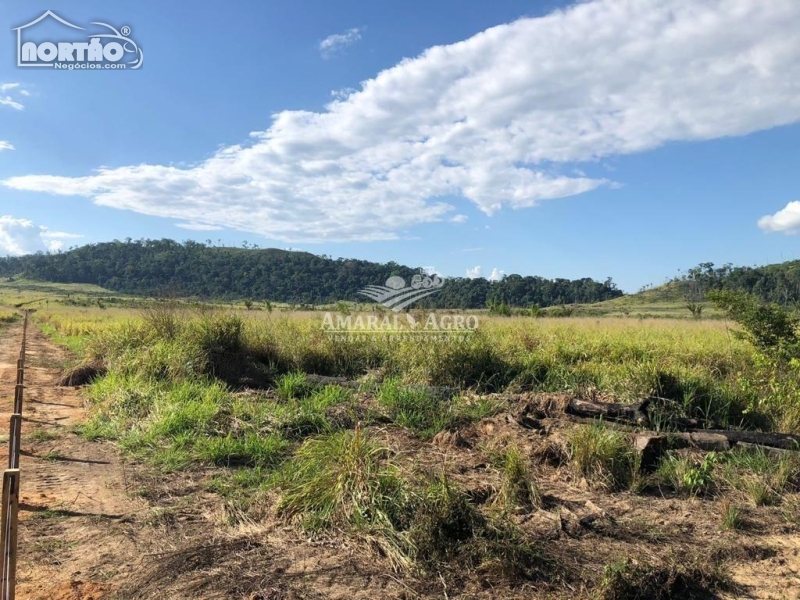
{"x":22,"y":236}
{"x":5,"y":145}
{"x":496,"y":274}
{"x":786,"y":220}
{"x":503,"y":119}
{"x":474,"y":272}
{"x":338,"y":41}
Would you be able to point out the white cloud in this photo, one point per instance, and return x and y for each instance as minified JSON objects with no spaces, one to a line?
{"x":9,"y":101}
{"x":198,"y":226}
{"x":22,"y":236}
{"x":460,"y":219}
{"x":502,"y":119}
{"x":497,"y":274}
{"x":338,"y":41}
{"x":786,"y":220}
{"x":5,"y":145}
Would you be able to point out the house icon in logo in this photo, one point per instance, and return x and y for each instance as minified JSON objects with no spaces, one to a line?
{"x":48,"y":13}
{"x":105,"y":49}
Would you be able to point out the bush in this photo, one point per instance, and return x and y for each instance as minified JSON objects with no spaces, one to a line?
{"x":769,"y":327}
{"x":686,"y":475}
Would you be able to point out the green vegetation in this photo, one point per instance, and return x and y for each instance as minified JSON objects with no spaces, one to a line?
{"x":631,"y":580}
{"x":519,"y":491}
{"x":343,"y":480}
{"x":760,"y":476}
{"x":778,"y":283}
{"x":601,"y":455}
{"x":191,"y":269}
{"x":228,"y":394}
{"x":686,"y":474}
{"x":732,"y":516}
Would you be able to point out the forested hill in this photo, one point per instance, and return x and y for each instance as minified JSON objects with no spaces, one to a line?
{"x":779,"y":283}
{"x":166,"y":267}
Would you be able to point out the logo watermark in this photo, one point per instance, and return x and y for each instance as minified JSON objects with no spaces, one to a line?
{"x":398,"y":295}
{"x":107,"y":49}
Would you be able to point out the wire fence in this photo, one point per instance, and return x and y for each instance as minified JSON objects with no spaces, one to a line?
{"x":10,"y":498}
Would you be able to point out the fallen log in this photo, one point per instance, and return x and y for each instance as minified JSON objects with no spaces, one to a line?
{"x":651,"y":447}
{"x":785,"y":441}
{"x":635,"y":414}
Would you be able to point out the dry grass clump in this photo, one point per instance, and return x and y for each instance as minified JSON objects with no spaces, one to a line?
{"x":678,"y":579}
{"x":603,"y":456}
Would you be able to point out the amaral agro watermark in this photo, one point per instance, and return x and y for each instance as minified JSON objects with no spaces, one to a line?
{"x":106,"y":48}
{"x":398,"y":295}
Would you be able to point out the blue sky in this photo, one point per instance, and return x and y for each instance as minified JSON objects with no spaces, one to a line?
{"x":616,"y":138}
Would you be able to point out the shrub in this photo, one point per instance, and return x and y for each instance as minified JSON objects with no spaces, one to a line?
{"x":769,"y":327}
{"x":687,"y":475}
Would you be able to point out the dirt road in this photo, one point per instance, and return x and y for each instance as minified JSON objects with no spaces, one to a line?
{"x":76,"y":534}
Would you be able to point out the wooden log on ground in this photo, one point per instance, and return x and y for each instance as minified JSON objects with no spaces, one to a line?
{"x":702,"y":440}
{"x":785,"y":441}
{"x":651,"y":447}
{"x":634,"y":414}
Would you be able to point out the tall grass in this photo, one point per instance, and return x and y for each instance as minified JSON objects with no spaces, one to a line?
{"x":698,"y":368}
{"x":601,"y":455}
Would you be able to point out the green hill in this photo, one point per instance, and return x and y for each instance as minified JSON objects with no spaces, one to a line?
{"x":191,"y":269}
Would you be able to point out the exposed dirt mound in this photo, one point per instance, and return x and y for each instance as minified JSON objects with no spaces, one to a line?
{"x":82,"y":375}
{"x":80,"y":590}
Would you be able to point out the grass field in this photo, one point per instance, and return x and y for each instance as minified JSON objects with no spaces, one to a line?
{"x":230,"y":394}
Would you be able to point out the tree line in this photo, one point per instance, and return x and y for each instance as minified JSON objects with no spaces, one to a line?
{"x":192,"y":269}
{"x":778,"y":283}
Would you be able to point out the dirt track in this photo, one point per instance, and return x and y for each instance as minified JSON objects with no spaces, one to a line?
{"x":76,"y":535}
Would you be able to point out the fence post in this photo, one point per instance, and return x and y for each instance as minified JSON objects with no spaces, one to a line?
{"x":18,"y":392}
{"x":14,"y":440}
{"x":8,"y":534}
